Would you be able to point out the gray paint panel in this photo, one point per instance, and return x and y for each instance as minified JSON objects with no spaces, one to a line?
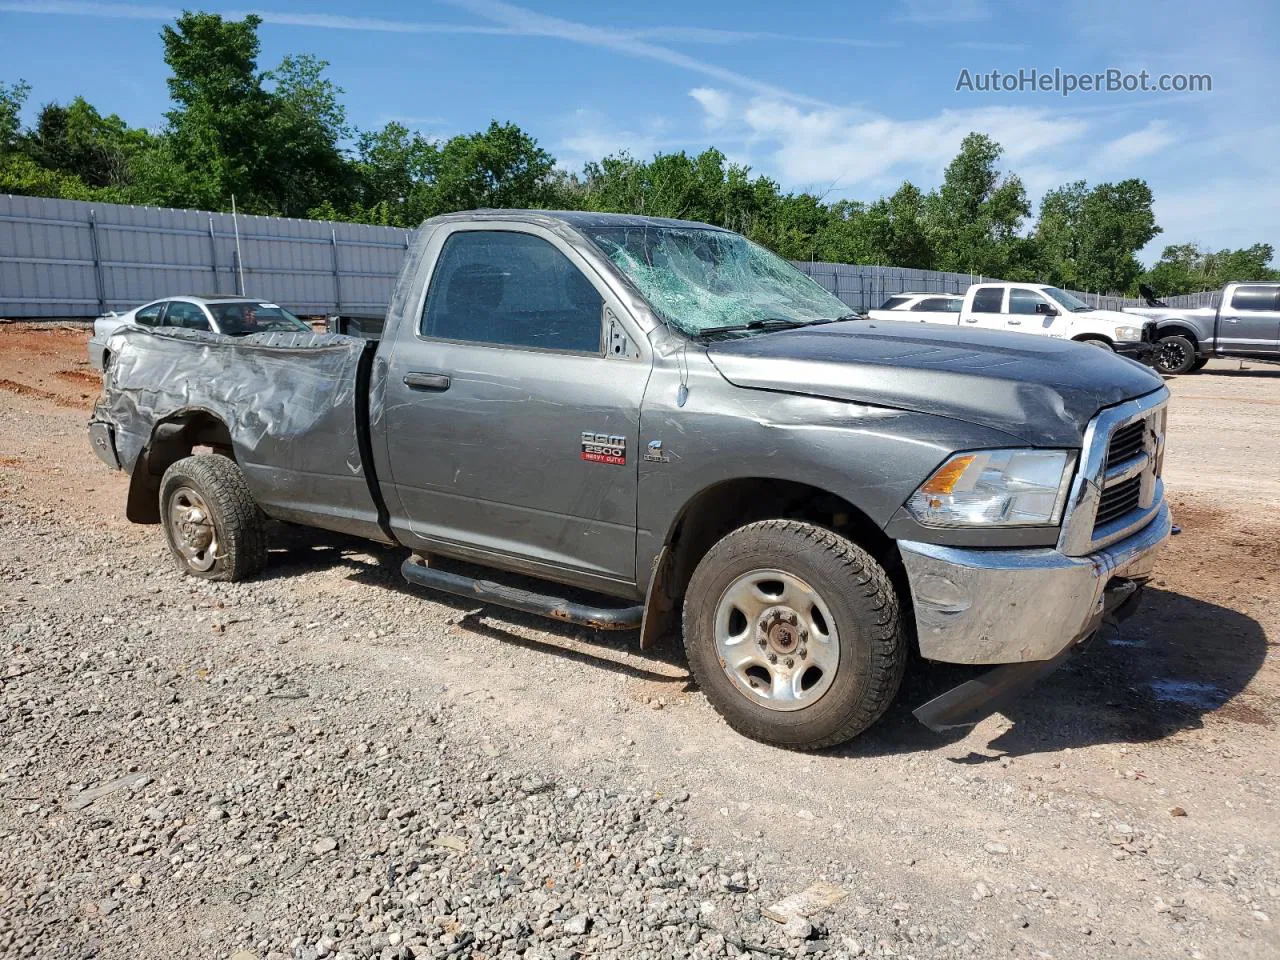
{"x":288,"y":401}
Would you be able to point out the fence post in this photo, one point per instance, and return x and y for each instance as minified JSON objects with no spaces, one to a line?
{"x":337,"y":277}
{"x":235,"y":272}
{"x":213,"y":255}
{"x":99,"y":285}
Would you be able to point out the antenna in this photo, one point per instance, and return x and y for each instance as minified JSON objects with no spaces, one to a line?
{"x":235,"y":222}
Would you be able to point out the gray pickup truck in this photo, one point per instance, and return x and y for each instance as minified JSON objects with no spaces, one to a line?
{"x":1244,"y":324}
{"x":689,"y":437}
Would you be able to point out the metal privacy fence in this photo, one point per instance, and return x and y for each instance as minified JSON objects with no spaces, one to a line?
{"x":67,"y":258}
{"x":866,"y":287}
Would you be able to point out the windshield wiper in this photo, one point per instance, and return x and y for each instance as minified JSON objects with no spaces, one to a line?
{"x":764,"y":323}
{"x":771,"y":323}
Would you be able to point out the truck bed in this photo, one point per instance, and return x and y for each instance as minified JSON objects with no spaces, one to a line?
{"x":295,"y":406}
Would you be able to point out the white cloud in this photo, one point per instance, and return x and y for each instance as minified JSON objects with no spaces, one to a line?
{"x":716,"y":106}
{"x":1123,"y":151}
{"x":591,"y":135}
{"x":534,"y":24}
{"x":847,"y":147}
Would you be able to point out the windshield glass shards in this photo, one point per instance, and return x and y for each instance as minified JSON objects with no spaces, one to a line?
{"x":714,"y":282}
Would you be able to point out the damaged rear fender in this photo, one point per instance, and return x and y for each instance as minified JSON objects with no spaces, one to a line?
{"x":173,"y":438}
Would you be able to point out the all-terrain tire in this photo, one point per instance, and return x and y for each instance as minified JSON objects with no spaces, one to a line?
{"x":1176,"y":355}
{"x":213,"y":487}
{"x":872,"y":644}
{"x":1199,"y":364}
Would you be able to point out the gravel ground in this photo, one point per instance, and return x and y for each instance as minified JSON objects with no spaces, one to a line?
{"x":326,"y":762}
{"x":172,"y":791}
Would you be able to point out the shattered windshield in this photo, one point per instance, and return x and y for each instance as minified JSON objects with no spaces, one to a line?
{"x":706,"y":281}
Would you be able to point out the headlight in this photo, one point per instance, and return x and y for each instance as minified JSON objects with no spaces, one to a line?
{"x":1003,"y":488}
{"x":1128,"y":333}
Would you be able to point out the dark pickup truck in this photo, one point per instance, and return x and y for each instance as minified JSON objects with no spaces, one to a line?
{"x":1245,"y":325}
{"x":670,"y":417}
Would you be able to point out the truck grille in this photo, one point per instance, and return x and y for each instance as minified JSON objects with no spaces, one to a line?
{"x":1131,"y":469}
{"x":1117,"y":490}
{"x":1126,"y":443}
{"x":1118,"y":500}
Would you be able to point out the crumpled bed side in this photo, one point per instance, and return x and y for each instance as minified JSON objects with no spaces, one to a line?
{"x":288,"y":400}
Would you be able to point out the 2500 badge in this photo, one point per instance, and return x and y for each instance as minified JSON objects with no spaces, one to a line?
{"x":604,"y":448}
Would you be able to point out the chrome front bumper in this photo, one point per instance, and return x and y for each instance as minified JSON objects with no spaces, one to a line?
{"x":1014,"y":606}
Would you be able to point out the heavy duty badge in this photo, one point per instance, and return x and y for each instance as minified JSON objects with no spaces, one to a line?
{"x":604,"y":448}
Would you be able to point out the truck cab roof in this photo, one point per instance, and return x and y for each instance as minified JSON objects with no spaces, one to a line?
{"x":575,"y":218}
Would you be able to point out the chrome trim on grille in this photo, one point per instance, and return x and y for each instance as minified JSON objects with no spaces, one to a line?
{"x":1079,"y":535}
{"x":1126,"y":470}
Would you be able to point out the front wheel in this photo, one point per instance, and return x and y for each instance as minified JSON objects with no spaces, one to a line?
{"x":794,"y":633}
{"x":214,"y":527}
{"x":1176,"y":355}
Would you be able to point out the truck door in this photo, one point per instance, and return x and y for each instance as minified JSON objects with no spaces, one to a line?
{"x":985,"y":309}
{"x":510,"y":430}
{"x":1029,"y":313}
{"x":1250,"y":322}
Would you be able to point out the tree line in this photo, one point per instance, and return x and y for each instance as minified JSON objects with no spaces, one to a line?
{"x":279,"y":140}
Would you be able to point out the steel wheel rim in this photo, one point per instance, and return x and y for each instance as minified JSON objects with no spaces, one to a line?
{"x":1172,"y":355}
{"x":194,"y":533}
{"x":776,"y":640}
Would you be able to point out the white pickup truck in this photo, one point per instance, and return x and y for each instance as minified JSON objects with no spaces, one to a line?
{"x":1046,"y":311}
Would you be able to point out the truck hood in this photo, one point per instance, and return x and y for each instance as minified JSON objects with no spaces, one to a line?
{"x":1161,"y":313}
{"x":1112,"y":317}
{"x":1040,"y":390}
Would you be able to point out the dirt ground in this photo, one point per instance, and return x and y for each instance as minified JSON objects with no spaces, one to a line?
{"x":1129,"y":807}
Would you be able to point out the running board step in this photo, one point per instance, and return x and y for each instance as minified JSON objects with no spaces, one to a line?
{"x":543,"y":605}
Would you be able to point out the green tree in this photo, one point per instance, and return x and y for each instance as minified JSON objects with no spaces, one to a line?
{"x":78,"y":141}
{"x":301,"y":163}
{"x":217,"y":128}
{"x":1116,"y":221}
{"x":1058,"y":234}
{"x":13,"y":96}
{"x":975,"y":217}
{"x":1186,"y":268}
{"x":897,"y":230}
{"x":392,"y":177}
{"x":500,"y":167}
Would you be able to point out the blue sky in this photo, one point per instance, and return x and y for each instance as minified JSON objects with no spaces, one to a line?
{"x":843,"y":98}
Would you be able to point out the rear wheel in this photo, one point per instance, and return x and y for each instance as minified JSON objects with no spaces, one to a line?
{"x":1176,"y":355}
{"x":794,"y":634}
{"x":214,"y":528}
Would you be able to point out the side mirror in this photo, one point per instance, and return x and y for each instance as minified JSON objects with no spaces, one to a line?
{"x":1046,"y":309}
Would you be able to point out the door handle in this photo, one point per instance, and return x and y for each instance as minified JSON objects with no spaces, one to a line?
{"x":970,"y":319}
{"x":426,"y":381}
{"x":1230,"y":319}
{"x":1015,"y":323}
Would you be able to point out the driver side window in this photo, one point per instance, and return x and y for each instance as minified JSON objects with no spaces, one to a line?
{"x":1023,"y":301}
{"x":505,"y":288}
